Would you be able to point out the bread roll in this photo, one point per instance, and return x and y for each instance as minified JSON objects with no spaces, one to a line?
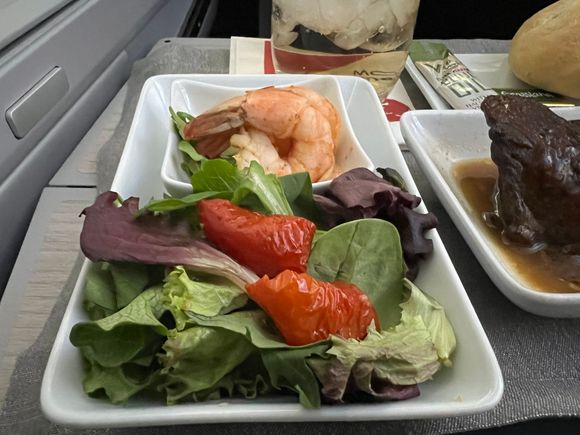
{"x":545,"y":51}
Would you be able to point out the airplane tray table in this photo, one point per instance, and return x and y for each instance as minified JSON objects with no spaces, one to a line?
{"x":539,"y":356}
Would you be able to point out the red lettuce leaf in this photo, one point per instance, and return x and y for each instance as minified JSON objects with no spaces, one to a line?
{"x":359,"y":194}
{"x":119,"y":233}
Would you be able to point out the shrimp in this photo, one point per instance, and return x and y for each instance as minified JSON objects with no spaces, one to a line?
{"x":256,"y":145}
{"x":301,"y":126}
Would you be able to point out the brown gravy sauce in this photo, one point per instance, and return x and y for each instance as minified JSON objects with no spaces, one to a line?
{"x":539,"y":271}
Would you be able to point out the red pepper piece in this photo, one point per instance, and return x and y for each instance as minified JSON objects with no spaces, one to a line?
{"x":306,"y":310}
{"x":265,"y":244}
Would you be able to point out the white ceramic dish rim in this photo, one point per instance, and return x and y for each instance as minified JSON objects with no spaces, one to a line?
{"x":347,"y":133}
{"x":115,"y":416}
{"x":525,"y":297}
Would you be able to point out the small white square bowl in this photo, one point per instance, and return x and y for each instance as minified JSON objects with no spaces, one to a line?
{"x":195,"y":97}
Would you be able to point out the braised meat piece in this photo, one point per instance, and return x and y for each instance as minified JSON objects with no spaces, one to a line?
{"x":538,"y":157}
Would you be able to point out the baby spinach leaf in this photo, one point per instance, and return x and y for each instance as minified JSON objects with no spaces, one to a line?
{"x":368,"y":254}
{"x":288,"y":369}
{"x":359,"y":193}
{"x":298,"y":190}
{"x":394,"y":177}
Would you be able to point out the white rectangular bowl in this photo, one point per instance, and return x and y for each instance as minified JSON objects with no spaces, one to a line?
{"x":439,"y":139}
{"x":473,"y":385}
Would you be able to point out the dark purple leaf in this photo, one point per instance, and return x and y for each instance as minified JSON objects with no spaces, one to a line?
{"x":380,"y":390}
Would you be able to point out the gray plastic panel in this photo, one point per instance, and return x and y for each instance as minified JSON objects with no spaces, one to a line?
{"x":80,"y":167}
{"x":37,"y":102}
{"x":18,"y":17}
{"x":83,"y":43}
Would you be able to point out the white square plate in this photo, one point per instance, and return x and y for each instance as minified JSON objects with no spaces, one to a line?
{"x":473,"y":385}
{"x":441,"y":138}
{"x":492,"y":69}
{"x":196,"y":97}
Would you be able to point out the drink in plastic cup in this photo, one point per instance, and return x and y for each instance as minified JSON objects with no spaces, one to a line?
{"x":368,"y":38}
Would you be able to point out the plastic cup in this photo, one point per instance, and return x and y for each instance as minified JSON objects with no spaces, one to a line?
{"x":366,"y":38}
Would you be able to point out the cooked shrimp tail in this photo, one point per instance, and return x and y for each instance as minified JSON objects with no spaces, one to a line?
{"x":212,"y":146}
{"x":291,"y":129}
{"x":208,"y":124}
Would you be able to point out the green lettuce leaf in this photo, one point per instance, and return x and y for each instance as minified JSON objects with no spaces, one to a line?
{"x":248,"y":380}
{"x":403,"y":355}
{"x":130,"y":280}
{"x":196,"y":359}
{"x":118,"y":383}
{"x":255,"y":325}
{"x":112,"y":286}
{"x":209,"y":297}
{"x":286,"y":365}
{"x":384,"y":362}
{"x":120,"y":350}
{"x":433,"y":315}
{"x":99,"y":299}
{"x":128,"y":334}
{"x":368,"y":254}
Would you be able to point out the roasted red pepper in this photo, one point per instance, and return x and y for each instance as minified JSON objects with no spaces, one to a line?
{"x":265,"y":244}
{"x":306,"y":310}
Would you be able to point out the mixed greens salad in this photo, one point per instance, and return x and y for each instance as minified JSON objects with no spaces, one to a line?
{"x":174,"y":315}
